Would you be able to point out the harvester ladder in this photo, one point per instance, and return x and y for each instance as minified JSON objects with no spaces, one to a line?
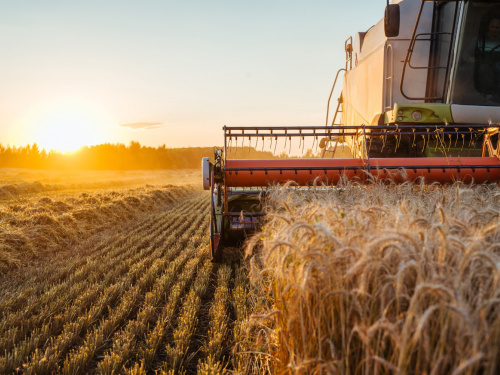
{"x":348,"y":66}
{"x":338,"y":110}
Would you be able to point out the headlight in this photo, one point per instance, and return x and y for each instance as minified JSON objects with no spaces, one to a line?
{"x":416,"y":115}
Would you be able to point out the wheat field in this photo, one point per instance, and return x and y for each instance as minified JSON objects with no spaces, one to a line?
{"x":113,"y":276}
{"x":399,"y":279}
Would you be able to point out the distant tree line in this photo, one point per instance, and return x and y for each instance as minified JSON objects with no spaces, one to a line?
{"x":117,"y":157}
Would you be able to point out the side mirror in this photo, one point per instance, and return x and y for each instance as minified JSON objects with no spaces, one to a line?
{"x":391,"y":20}
{"x":205,"y":173}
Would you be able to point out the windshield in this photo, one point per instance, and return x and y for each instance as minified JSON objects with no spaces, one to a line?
{"x":477,"y":76}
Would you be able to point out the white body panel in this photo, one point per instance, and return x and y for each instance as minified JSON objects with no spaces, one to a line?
{"x":373,"y":85}
{"x":363,"y":89}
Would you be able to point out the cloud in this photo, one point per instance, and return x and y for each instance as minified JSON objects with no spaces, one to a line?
{"x":143,"y":125}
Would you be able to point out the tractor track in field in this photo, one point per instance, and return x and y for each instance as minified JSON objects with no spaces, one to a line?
{"x":139,"y":301}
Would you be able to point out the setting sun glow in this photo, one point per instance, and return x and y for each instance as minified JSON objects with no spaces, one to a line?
{"x":67,"y":125}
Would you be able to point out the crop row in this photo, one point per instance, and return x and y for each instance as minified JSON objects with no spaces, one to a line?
{"x":106,"y":303}
{"x":148,"y":351}
{"x":125,"y":341}
{"x":240,"y":326}
{"x":40,"y":227}
{"x":58,"y":276}
{"x":78,"y":359}
{"x":45,"y":290}
{"x":148,"y":300}
{"x":22,"y":323}
{"x":177,"y":350}
{"x":213,"y":363}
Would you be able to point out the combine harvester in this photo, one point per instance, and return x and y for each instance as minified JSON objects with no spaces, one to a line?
{"x":420,"y":100}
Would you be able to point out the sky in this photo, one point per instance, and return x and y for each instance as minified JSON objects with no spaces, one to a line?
{"x":76,"y":73}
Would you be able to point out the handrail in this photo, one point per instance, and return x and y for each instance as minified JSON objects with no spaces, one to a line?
{"x":331,"y":93}
{"x":389,"y":77}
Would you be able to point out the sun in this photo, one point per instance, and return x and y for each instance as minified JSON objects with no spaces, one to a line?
{"x":67,"y":125}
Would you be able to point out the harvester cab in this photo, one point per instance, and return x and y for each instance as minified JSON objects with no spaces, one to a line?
{"x":420,"y":100}
{"x":428,"y":65}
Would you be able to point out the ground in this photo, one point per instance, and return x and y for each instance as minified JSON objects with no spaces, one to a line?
{"x":109,"y":272}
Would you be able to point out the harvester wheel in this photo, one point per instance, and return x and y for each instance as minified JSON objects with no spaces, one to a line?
{"x":215,"y":236}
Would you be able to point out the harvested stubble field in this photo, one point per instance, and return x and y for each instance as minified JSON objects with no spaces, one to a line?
{"x":113,"y":280}
{"x":357,"y":280}
{"x":41,"y":212}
